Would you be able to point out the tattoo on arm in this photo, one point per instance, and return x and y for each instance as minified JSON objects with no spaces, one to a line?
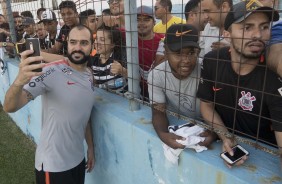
{"x":29,"y":96}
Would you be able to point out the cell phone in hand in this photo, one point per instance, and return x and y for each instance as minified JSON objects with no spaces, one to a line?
{"x":33,"y":44}
{"x":238,"y":151}
{"x":20,"y":47}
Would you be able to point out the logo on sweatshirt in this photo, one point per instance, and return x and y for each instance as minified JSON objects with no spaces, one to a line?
{"x":70,"y":83}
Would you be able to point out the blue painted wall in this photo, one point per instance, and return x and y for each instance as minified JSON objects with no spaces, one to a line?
{"x":128,"y":150}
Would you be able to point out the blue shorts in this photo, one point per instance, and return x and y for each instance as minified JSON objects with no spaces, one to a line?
{"x":276,"y":33}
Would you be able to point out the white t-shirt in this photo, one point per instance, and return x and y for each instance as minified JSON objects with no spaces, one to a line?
{"x":208,"y":36}
{"x":178,"y":95}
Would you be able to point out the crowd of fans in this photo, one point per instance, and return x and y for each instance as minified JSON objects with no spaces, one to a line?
{"x":210,"y":67}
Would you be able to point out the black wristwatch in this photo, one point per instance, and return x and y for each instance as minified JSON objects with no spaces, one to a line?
{"x":4,"y":44}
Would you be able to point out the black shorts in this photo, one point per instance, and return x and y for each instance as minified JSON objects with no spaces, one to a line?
{"x":75,"y":175}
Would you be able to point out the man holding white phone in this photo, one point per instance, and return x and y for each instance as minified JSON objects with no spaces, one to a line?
{"x":238,"y":93}
{"x":65,"y":116}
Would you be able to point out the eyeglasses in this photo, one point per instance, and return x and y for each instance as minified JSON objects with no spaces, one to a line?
{"x":112,"y":1}
{"x":81,"y":42}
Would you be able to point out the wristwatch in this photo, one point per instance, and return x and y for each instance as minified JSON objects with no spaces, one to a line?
{"x":4,"y":44}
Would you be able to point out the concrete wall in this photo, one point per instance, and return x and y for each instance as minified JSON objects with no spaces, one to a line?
{"x":128,"y":150}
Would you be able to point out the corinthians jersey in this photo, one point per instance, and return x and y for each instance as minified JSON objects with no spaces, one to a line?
{"x":67,"y":101}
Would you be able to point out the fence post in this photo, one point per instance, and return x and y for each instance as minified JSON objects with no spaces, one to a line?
{"x":130,"y":11}
{"x":11,"y":21}
{"x":280,"y":8}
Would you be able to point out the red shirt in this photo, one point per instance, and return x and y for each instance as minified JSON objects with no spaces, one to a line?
{"x":147,"y":51}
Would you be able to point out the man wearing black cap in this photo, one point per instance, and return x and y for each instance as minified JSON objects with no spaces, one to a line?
{"x":173,"y":84}
{"x":29,"y":28}
{"x":238,"y":93}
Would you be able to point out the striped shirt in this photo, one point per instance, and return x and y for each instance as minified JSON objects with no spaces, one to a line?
{"x":102,"y":71}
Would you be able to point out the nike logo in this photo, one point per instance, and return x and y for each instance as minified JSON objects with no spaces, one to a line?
{"x":182,"y":33}
{"x":216,"y":89}
{"x":70,"y":83}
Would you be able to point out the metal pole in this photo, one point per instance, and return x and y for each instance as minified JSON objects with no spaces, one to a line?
{"x":42,"y":4}
{"x":11,"y":21}
{"x":130,"y":11}
{"x":280,"y":7}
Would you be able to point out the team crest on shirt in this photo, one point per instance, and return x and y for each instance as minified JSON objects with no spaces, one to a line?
{"x":246,"y":101}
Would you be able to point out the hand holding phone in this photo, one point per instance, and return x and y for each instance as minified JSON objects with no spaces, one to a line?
{"x":239,"y":153}
{"x":33,"y":44}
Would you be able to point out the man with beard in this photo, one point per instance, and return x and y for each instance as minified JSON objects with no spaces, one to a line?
{"x":65,"y":117}
{"x":238,"y":93}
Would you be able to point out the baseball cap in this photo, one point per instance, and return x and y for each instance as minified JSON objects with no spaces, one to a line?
{"x":47,"y":15}
{"x":28,"y":21}
{"x":180,"y":36}
{"x":242,"y":10}
{"x":145,"y":10}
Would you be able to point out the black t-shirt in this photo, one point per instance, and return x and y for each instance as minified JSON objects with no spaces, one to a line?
{"x":247,"y":101}
{"x":3,"y":37}
{"x":46,"y":43}
{"x":62,"y":38}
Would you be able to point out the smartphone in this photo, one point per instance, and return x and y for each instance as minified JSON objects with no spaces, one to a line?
{"x":20,"y":47}
{"x":33,"y":44}
{"x":238,"y":151}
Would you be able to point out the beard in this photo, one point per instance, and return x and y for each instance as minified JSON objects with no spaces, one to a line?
{"x":83,"y":60}
{"x":240,"y":51}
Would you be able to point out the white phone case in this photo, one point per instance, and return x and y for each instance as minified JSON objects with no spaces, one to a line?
{"x":225,"y":157}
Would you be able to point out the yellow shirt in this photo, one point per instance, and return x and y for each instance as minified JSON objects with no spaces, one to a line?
{"x":161,"y":28}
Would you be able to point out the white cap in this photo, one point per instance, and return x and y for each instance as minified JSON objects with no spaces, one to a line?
{"x":48,"y":15}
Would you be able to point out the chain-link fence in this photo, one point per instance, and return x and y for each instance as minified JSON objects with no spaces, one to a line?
{"x":216,"y":77}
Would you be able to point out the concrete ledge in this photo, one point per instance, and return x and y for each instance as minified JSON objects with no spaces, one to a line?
{"x":128,"y":150}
